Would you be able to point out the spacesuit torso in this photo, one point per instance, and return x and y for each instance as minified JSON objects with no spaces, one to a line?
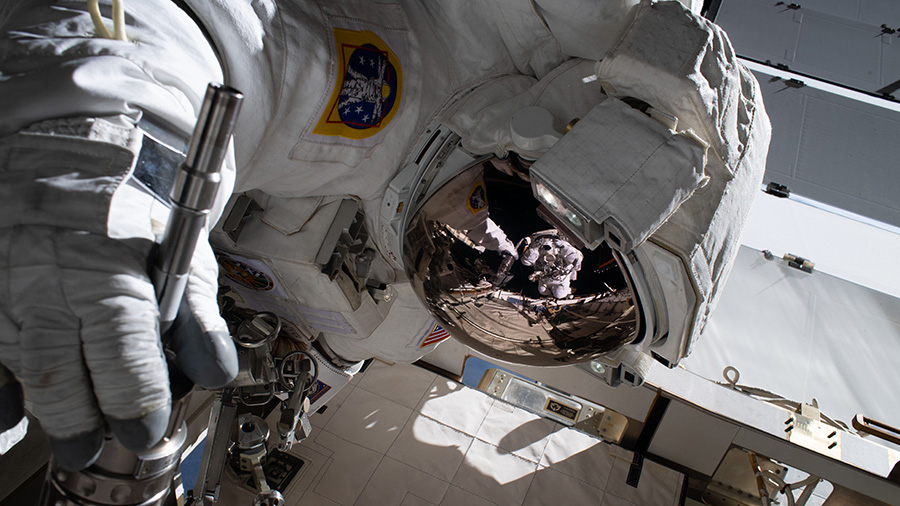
{"x":337,"y":94}
{"x":335,"y":122}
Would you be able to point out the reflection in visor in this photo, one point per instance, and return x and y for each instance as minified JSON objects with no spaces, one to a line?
{"x":506,"y":284}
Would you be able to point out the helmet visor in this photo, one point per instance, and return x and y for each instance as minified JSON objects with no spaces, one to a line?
{"x":511,"y":284}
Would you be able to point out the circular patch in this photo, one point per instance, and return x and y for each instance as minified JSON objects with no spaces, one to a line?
{"x":367,"y":88}
{"x":245,"y":275}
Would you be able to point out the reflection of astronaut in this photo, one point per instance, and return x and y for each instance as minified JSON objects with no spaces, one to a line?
{"x":556,"y":263}
{"x":463,"y":205}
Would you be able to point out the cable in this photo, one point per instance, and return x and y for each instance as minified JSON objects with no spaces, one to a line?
{"x":99,"y":27}
{"x":775,"y":399}
{"x":118,"y":16}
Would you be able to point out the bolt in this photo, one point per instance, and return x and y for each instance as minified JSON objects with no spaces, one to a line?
{"x":86,"y":486}
{"x":119,"y":493}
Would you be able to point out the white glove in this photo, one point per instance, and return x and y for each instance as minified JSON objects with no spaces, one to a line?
{"x":79,"y":328}
{"x":78,"y":313}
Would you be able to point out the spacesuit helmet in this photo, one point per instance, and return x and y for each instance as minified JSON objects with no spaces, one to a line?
{"x":604,"y":247}
{"x":652,"y":187}
{"x":500,"y":274}
{"x":539,"y":260}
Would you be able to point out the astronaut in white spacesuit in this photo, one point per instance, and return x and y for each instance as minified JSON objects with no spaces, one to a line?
{"x":469,"y":211}
{"x":340,"y":98}
{"x":556,"y":263}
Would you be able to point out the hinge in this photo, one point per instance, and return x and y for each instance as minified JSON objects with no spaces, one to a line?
{"x":799,"y":262}
{"x":779,"y":190}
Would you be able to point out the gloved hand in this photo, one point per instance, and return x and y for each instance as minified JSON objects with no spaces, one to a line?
{"x":79,"y":328}
{"x":78,"y":315}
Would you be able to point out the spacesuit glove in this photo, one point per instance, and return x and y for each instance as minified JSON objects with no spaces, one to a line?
{"x":489,"y":235}
{"x":203,"y":347}
{"x":79,"y":328}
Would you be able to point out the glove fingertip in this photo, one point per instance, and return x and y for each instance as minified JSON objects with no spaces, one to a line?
{"x":206,"y":356}
{"x":140,"y":434}
{"x":77,"y":452}
{"x":209,"y":359}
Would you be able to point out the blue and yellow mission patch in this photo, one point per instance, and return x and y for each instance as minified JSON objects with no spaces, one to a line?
{"x":366,"y":94}
{"x":477,"y":200}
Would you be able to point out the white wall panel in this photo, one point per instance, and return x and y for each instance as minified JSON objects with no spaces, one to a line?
{"x":805,"y":336}
{"x":831,"y":40}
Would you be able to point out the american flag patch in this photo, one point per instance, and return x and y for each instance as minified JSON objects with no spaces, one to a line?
{"x":434,"y":336}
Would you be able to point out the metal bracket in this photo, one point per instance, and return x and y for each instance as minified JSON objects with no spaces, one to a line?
{"x":778,"y":190}
{"x":568,"y":410}
{"x":241,"y":212}
{"x":799,"y":263}
{"x":806,"y":429}
{"x":215,"y":451}
{"x":346,"y":236}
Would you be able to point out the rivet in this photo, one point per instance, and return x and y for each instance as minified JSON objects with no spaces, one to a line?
{"x":86,"y":486}
{"x":120,"y":493}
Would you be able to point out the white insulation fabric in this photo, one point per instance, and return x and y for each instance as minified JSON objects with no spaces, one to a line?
{"x":624,"y":169}
{"x":715,"y":96}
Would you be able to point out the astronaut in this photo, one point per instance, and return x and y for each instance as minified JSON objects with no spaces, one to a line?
{"x":463,"y":205}
{"x":356,"y":114}
{"x":556,"y":263}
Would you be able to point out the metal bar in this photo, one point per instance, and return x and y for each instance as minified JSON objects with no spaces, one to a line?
{"x":215,"y":450}
{"x":876,"y":428}
{"x":193,"y":195}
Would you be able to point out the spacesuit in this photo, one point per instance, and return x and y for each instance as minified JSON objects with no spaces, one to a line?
{"x":556,"y":264}
{"x":463,"y":205}
{"x":341,"y":99}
